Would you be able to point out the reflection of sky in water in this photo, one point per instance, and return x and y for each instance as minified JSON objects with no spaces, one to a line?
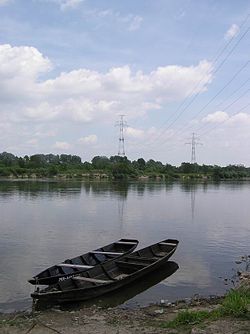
{"x":45,"y":222}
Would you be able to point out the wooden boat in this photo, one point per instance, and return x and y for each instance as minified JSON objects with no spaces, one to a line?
{"x":109,"y":276}
{"x":81,"y":263}
{"x":118,"y":296}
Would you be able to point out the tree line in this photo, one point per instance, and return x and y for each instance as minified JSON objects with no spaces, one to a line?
{"x":116,"y":167}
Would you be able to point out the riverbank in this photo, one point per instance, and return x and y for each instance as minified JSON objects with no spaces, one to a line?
{"x":229,"y":314}
{"x":152,"y":319}
{"x":113,"y":168}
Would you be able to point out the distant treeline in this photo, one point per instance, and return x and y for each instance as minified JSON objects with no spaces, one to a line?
{"x":116,"y":167}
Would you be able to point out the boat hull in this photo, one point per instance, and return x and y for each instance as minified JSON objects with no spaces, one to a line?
{"x":67,"y":269}
{"x":86,"y":293}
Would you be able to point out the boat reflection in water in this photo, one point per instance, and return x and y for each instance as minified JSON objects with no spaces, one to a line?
{"x":122,"y":295}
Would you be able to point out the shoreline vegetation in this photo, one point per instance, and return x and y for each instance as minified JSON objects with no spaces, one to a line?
{"x":225,"y":315}
{"x":66,"y":166}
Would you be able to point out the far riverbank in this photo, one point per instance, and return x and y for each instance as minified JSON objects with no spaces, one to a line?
{"x":115,"y":167}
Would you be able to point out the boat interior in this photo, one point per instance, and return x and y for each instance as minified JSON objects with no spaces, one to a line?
{"x":110,"y":272}
{"x":91,"y":259}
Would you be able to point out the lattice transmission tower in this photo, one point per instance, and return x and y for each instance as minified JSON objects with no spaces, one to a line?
{"x":122,"y":125}
{"x":194,"y":142}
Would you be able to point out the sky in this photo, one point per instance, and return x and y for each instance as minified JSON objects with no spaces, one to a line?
{"x":176,"y":70}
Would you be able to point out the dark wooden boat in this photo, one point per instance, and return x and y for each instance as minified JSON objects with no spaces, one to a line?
{"x":109,"y":276}
{"x":119,"y":296}
{"x":81,"y":263}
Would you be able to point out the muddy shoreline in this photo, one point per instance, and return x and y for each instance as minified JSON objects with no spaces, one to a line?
{"x":118,"y":320}
{"x":148,"y":320}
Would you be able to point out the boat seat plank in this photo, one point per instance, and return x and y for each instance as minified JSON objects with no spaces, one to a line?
{"x":142,"y":258}
{"x":160,"y":254}
{"x":91,"y":280}
{"x":167,"y":244}
{"x":106,"y":253}
{"x":77,"y":266}
{"x":131,"y":264}
{"x":121,"y":276}
{"x":125,"y":243}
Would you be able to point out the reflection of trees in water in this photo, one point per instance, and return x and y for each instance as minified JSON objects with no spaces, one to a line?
{"x":190,"y":186}
{"x":205,"y":185}
{"x":33,"y":189}
{"x":156,"y":186}
{"x":193,"y":186}
{"x":36,"y":188}
{"x":119,"y":189}
{"x":151,"y":187}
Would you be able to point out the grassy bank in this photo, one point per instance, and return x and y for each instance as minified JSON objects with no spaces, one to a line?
{"x":235,"y":305}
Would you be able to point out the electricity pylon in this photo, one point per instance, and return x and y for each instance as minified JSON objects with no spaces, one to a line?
{"x":193,"y":144}
{"x":122,"y":124}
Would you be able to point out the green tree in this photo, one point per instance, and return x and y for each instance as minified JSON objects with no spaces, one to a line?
{"x":100,"y":162}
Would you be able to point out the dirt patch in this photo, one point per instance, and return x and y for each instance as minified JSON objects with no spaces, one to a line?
{"x":96,"y":320}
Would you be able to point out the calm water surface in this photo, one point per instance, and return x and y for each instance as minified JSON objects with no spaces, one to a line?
{"x":42,"y":223}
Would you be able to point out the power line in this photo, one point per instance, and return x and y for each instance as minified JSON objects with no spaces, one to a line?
{"x":235,"y":91}
{"x":227,"y":107}
{"x":217,"y":94}
{"x":213,"y":98}
{"x":197,"y":85}
{"x":238,"y":111}
{"x":231,"y":51}
{"x":232,"y":38}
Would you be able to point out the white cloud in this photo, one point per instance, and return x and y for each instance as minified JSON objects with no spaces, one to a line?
{"x":135,"y":23}
{"x":62,"y":145}
{"x":240,"y":119}
{"x":232,"y":32}
{"x":84,"y":95}
{"x":91,"y":139}
{"x":32,"y":141}
{"x":42,"y":112}
{"x":22,"y":61}
{"x":131,"y":21}
{"x":217,"y":117}
{"x":45,"y":134}
{"x":151,"y":106}
{"x":220,"y":117}
{"x":70,"y":4}
{"x":134,"y":133}
{"x":4,"y":2}
{"x":65,"y":4}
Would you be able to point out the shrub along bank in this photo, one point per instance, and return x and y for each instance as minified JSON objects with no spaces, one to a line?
{"x":115,"y":167}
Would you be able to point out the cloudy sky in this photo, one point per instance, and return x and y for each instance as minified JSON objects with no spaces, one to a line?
{"x":69,"y":68}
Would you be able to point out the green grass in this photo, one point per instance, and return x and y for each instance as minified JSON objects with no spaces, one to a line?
{"x":235,"y":304}
{"x":185,"y":318}
{"x":16,"y":321}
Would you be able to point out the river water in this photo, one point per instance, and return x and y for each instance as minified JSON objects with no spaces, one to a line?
{"x":44,"y":222}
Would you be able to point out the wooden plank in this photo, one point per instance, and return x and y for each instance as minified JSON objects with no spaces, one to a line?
{"x":141,"y":258}
{"x":132,"y":264}
{"x":106,"y":253}
{"x":121,"y":276}
{"x":78,"y":266}
{"x":125,"y":243}
{"x":167,"y":244}
{"x":91,"y":280}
